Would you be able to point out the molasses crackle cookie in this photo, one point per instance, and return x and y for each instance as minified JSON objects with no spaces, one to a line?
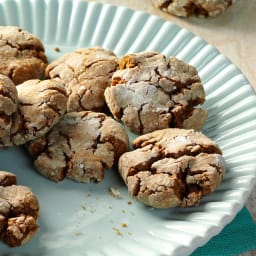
{"x":186,"y":8}
{"x":172,"y":167}
{"x":19,"y":211}
{"x":149,"y":93}
{"x":22,"y":55}
{"x":29,"y":110}
{"x":86,"y":73}
{"x":80,"y":147}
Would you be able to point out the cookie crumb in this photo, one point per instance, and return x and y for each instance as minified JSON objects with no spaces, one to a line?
{"x":114,"y":192}
{"x":129,"y":202}
{"x":78,"y":233}
{"x":57,"y":49}
{"x":83,"y":206}
{"x":118,"y":232}
{"x":124,"y":225}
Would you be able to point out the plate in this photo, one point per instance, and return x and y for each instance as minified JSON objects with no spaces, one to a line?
{"x":84,"y":219}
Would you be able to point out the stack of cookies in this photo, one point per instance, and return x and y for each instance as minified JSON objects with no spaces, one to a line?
{"x":73,"y":114}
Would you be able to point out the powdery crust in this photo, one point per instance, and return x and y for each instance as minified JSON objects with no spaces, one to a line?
{"x":186,"y":8}
{"x":148,"y":93}
{"x":80,"y":147}
{"x":86,"y":74}
{"x":22,"y":54}
{"x":41,"y":104}
{"x":19,"y":211}
{"x":172,"y":167}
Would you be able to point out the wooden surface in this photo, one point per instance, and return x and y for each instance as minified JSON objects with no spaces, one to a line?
{"x":233,"y":34}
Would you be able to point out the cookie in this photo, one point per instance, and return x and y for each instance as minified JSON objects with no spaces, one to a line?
{"x":186,"y":8}
{"x":22,"y":55}
{"x":86,"y":73}
{"x":80,"y":147}
{"x":172,"y":167}
{"x":19,"y":211}
{"x":148,"y":93}
{"x":8,"y":104}
{"x":41,"y":104}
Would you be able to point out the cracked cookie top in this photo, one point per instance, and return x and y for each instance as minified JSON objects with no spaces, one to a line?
{"x":40,"y":106}
{"x":186,"y":8}
{"x":22,"y":54}
{"x":86,"y":73}
{"x":148,"y":93}
{"x":8,"y":104}
{"x":172,"y":167}
{"x":80,"y":147}
{"x":19,"y":211}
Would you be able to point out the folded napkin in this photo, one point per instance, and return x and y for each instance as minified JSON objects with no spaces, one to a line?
{"x":237,"y":237}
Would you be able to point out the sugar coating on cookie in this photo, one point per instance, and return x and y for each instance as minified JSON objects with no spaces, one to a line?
{"x":86,"y":74}
{"x":80,"y":147}
{"x":186,"y":8}
{"x":8,"y":104}
{"x":19,"y":211}
{"x":41,"y":104}
{"x":22,"y":54}
{"x":172,"y":167}
{"x":148,"y":93}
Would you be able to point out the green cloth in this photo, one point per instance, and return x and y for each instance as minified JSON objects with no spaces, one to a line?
{"x":237,"y":237}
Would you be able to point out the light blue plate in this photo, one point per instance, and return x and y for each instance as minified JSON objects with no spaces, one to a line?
{"x":84,"y":219}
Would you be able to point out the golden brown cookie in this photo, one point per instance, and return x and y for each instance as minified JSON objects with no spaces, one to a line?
{"x":80,"y":147}
{"x":148,"y":93}
{"x":85,"y":73}
{"x":8,"y":104}
{"x":172,"y":167}
{"x":41,"y":104}
{"x":19,"y":211}
{"x":186,"y":8}
{"x":22,"y":54}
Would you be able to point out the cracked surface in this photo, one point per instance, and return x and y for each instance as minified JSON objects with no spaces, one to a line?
{"x":8,"y":104}
{"x":22,"y":54}
{"x":19,"y":211}
{"x":80,"y":147}
{"x":186,"y":8}
{"x":172,"y":167}
{"x":86,"y":73}
{"x":148,"y":93}
{"x":41,"y":104}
